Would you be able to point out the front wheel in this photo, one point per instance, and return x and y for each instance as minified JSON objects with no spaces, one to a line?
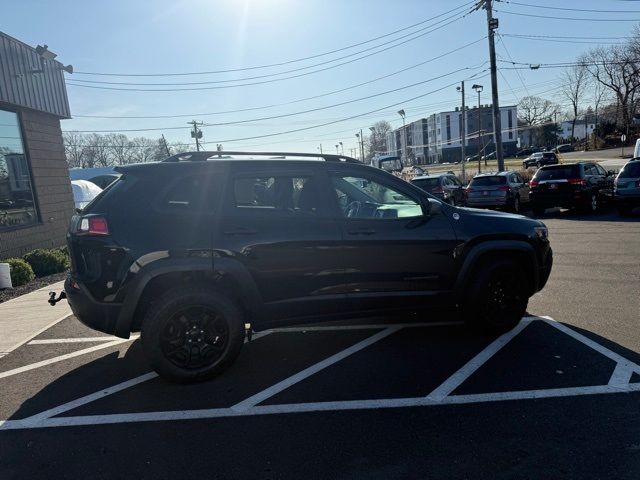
{"x":192,"y":334}
{"x":538,"y":211}
{"x":515,"y":206}
{"x":497,"y":299}
{"x":592,"y":203}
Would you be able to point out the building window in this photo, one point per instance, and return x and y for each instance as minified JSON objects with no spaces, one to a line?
{"x":510,"y":115}
{"x":448,"y":129}
{"x":17,"y":202}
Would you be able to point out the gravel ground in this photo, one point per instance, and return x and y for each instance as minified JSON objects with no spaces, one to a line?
{"x":41,"y":282}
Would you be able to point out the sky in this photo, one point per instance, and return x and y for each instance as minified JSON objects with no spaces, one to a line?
{"x":145,"y":37}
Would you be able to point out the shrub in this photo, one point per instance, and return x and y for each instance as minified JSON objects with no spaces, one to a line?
{"x":45,"y":262}
{"x":20,"y":271}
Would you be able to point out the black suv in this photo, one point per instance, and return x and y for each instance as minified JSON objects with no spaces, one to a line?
{"x":191,"y":249}
{"x":582,"y":185}
{"x":444,"y":186}
{"x":540,"y":159}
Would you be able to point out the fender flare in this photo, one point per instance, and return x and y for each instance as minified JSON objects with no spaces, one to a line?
{"x":223,"y":266}
{"x":473,"y":256}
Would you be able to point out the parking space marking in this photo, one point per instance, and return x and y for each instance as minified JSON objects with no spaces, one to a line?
{"x":39,"y":332}
{"x":307,"y":372}
{"x":618,"y":383}
{"x":60,"y":358}
{"x":54,"y":341}
{"x":455,"y":380}
{"x":375,"y":326}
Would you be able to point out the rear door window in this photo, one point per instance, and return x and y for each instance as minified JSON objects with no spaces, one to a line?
{"x":284,"y":194}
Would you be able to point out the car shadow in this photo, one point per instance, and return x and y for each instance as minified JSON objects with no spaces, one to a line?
{"x":604,"y":214}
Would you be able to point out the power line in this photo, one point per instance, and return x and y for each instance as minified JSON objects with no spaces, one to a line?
{"x":264,"y":107}
{"x":294,"y":113}
{"x":504,"y":46}
{"x":575,"y":42}
{"x":288,"y":62}
{"x":262,"y":82}
{"x":547,"y":7}
{"x":563,"y":36}
{"x":570,"y":18}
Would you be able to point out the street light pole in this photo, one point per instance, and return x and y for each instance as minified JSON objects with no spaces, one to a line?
{"x":478,"y":89}
{"x":463,"y":135}
{"x":405,"y":148}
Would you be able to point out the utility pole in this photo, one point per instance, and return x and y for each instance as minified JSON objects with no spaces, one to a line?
{"x":463,"y":135}
{"x":320,"y":149}
{"x":196,"y":133}
{"x":362,"y":146}
{"x":492,"y":24}
{"x":166,"y":147}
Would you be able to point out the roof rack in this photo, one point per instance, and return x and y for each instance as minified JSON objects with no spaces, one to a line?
{"x":220,"y":155}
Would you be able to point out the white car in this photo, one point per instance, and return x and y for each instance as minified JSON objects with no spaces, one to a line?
{"x":83,"y":192}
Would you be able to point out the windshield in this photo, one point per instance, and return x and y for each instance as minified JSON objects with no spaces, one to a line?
{"x":488,"y":181}
{"x":630,"y":170}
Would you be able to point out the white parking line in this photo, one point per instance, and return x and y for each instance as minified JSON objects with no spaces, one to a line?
{"x":90,"y":420}
{"x":60,"y":358}
{"x":307,"y":372}
{"x":455,"y":380}
{"x":39,"y":332}
{"x":54,"y":341}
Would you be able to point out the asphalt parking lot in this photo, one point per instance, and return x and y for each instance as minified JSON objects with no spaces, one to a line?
{"x":556,"y":397}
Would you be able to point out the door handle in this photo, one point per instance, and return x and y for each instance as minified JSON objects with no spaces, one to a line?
{"x":361,"y":231}
{"x":240,"y":231}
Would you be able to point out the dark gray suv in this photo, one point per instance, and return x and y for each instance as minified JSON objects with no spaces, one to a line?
{"x":498,"y":190}
{"x":190,"y":250}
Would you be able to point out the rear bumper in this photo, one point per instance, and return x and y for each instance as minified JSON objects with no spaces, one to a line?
{"x":566,"y":200}
{"x":487,"y":202}
{"x":97,"y":315}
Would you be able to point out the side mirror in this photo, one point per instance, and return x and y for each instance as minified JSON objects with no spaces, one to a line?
{"x":610,"y":173}
{"x":432,"y":207}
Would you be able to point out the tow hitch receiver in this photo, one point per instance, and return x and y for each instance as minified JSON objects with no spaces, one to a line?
{"x":53,"y":300}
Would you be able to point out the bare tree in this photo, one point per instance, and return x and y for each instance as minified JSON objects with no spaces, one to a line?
{"x":377,"y":141}
{"x":97,"y":151}
{"x":119,"y":147}
{"x":616,"y":67}
{"x":535,"y":110}
{"x":142,"y":149}
{"x":74,"y":148}
{"x":574,"y":84}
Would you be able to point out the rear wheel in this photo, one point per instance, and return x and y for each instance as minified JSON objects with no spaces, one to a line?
{"x":192,"y":334}
{"x":497,"y":297}
{"x":515,"y":206}
{"x":592,"y":203}
{"x":537,"y":211}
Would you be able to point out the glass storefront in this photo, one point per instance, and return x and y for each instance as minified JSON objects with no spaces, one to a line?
{"x":17,"y":201}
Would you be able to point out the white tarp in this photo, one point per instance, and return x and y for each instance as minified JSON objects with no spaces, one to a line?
{"x":83,"y":192}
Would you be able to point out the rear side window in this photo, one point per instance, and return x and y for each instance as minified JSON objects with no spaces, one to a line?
{"x":549,"y":155}
{"x":553,"y":173}
{"x":488,"y":181}
{"x":278,"y":193}
{"x":630,"y":170}
{"x":186,"y":194}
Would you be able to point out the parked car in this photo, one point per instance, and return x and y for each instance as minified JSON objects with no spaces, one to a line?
{"x":567,"y":147}
{"x":84,"y":192}
{"x":445,"y":186}
{"x":582,"y":185}
{"x":526,"y":152}
{"x":540,"y":159}
{"x":626,"y":187}
{"x":472,"y":158}
{"x":489,"y":156}
{"x":497,"y":190}
{"x":191,"y":249}
{"x":636,"y":149}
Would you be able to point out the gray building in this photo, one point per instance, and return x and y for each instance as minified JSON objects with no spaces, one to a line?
{"x":36,"y":202}
{"x":410,"y":143}
{"x":445,"y":133}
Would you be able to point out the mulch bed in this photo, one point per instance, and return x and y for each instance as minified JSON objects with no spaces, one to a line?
{"x":36,"y":284}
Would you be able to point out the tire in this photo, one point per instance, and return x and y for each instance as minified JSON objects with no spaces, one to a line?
{"x":196,"y":315}
{"x":592,"y":204}
{"x":515,"y":206}
{"x":497,"y":299}
{"x":537,"y":211}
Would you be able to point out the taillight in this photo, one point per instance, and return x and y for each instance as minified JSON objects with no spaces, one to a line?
{"x":577,"y":181}
{"x":93,"y":226}
{"x":468,"y":189}
{"x":437,"y":190}
{"x":534,"y":183}
{"x":503,"y":188}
